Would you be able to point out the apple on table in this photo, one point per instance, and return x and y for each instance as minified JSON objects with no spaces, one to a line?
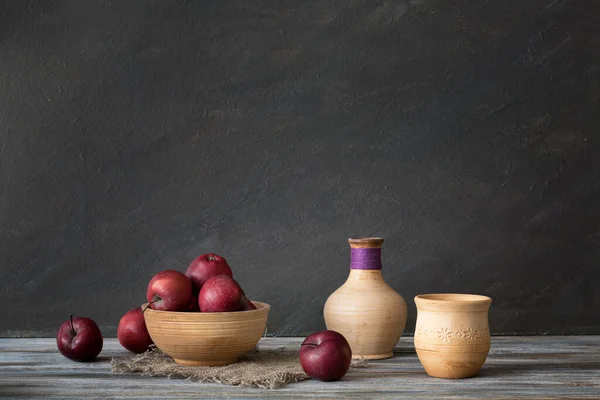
{"x":325,"y":355}
{"x":132,"y":332}
{"x":79,"y":339}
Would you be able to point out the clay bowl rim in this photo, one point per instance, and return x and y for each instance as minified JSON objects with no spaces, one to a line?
{"x":453,"y":302}
{"x":260,"y":306}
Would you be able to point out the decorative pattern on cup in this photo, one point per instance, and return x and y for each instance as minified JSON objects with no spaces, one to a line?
{"x":454,"y":335}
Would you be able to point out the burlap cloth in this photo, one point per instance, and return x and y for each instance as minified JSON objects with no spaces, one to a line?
{"x":267,"y":369}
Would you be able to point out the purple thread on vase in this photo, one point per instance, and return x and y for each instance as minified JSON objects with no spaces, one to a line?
{"x":365,"y":258}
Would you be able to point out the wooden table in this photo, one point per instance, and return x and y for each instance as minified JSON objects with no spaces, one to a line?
{"x":517,"y":367}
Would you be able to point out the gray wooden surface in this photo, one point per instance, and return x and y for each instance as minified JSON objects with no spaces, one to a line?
{"x":518,"y":367}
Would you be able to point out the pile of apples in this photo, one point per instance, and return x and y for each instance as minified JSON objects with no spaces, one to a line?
{"x":206,"y":286}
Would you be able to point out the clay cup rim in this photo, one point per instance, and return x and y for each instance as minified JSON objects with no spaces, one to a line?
{"x":453,"y":302}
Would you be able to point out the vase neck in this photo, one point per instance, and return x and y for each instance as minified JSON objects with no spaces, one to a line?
{"x":365,"y":258}
{"x":364,"y":276}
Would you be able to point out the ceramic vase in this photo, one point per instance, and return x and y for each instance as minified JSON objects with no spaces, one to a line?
{"x":452,"y":336}
{"x":365,"y":309}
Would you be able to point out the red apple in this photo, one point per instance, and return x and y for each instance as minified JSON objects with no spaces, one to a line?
{"x":193,"y":305}
{"x":132,"y":332}
{"x":220,"y":294}
{"x":169,"y":290}
{"x":79,"y":339}
{"x":248,"y":305}
{"x":325,"y":356}
{"x":205,"y":267}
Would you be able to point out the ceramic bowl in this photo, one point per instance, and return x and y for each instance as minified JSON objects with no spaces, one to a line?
{"x":196,"y":338}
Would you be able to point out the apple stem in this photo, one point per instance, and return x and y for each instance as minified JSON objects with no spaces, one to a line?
{"x":156,"y":298}
{"x":72,"y":327}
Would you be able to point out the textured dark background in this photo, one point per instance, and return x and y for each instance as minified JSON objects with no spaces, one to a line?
{"x":135,"y":135}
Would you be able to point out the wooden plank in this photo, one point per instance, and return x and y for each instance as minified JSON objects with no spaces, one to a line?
{"x":518,"y":367}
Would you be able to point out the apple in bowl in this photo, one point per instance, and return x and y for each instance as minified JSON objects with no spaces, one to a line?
{"x":222,"y":294}
{"x":169,"y":290}
{"x":204,"y":267}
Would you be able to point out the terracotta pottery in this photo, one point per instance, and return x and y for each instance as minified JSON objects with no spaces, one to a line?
{"x":452,"y":336}
{"x":197,"y":338}
{"x":365,"y":309}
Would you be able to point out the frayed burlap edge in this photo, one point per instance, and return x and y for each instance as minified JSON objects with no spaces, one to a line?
{"x":266,"y":369}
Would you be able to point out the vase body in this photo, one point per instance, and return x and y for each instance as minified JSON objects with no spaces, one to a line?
{"x":452,"y":336}
{"x":365,"y":309}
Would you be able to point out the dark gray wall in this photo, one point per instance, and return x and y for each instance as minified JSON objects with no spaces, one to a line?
{"x":137,"y":135}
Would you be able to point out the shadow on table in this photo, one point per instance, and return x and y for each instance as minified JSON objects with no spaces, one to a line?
{"x":510,"y":369}
{"x":102,"y":359}
{"x":367,"y":376}
{"x":401,"y":351}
